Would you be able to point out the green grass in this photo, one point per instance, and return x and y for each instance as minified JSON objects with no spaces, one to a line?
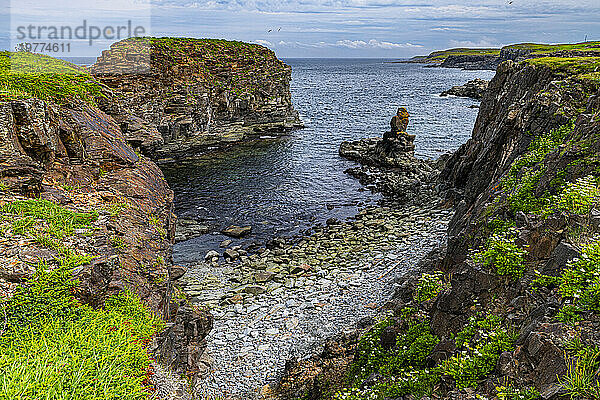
{"x":581,"y":379}
{"x":49,"y":224}
{"x":568,"y":65}
{"x":535,"y":48}
{"x":55,"y":348}
{"x":25,"y":75}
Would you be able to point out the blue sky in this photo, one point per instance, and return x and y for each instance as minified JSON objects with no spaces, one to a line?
{"x":337,"y":28}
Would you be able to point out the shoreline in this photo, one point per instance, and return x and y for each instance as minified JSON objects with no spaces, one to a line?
{"x":292,"y":318}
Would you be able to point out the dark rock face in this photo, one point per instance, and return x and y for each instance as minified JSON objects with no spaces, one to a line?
{"x":197,"y":93}
{"x":474,"y":89}
{"x":472,"y":62}
{"x":522,"y":101}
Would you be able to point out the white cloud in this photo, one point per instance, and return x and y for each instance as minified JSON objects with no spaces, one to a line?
{"x":265,"y":43}
{"x":374,"y":44}
{"x":352,"y":44}
{"x":484,"y":42}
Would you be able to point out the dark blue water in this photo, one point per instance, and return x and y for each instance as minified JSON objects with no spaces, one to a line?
{"x":283,"y":186}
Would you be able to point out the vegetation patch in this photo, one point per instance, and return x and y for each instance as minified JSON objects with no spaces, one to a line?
{"x":429,"y":286}
{"x":480,"y":343}
{"x":397,"y":371}
{"x":25,"y":75}
{"x":49,"y":224}
{"x":501,"y":253}
{"x":509,"y":392}
{"x":568,"y":65}
{"x":581,"y":379}
{"x":53,"y":347}
{"x":521,"y":180}
{"x":580,"y":284}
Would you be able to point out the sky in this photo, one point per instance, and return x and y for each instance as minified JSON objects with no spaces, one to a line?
{"x":313,"y":28}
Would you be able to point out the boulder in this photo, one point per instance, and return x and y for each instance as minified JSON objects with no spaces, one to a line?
{"x":237,"y":231}
{"x":231,"y":254}
{"x":210,"y":255}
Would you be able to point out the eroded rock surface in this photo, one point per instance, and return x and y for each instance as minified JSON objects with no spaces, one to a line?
{"x":198,"y":93}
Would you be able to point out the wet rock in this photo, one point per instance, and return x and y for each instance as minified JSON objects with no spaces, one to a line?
{"x":231,"y":254}
{"x":211,"y":254}
{"x":177,"y":272}
{"x":237,"y":231}
{"x":225,"y":243}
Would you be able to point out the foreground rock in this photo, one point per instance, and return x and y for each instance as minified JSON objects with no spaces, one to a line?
{"x":198,"y":93}
{"x":389,"y":165}
{"x":237,"y":231}
{"x":474,"y":89}
{"x":75,"y":156}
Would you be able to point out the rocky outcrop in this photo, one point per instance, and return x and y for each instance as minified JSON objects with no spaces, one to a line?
{"x":77,"y":157}
{"x":474,"y":89}
{"x":388,"y":164}
{"x":198,"y":93}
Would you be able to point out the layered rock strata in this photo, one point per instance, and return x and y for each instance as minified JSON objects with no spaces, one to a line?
{"x":198,"y":93}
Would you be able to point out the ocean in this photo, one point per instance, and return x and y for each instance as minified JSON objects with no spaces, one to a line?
{"x":283,"y":186}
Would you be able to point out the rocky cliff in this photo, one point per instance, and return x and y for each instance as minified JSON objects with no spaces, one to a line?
{"x":510,"y":308}
{"x":198,"y":93}
{"x":76,"y":199}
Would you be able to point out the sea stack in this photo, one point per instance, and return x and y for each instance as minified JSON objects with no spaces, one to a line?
{"x":396,"y":148}
{"x":397,"y":144}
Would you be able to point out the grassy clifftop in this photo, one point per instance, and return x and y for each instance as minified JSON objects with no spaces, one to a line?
{"x":437,"y":57}
{"x":26,"y":75}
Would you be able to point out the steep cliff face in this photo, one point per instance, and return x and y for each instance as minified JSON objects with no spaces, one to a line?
{"x":198,"y":92}
{"x":523,"y":101}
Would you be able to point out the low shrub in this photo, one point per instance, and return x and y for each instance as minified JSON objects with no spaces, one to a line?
{"x":429,"y":286}
{"x":501,"y":253}
{"x":480,"y":343}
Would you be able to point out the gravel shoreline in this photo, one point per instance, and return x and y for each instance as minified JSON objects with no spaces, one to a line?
{"x":252,"y":338}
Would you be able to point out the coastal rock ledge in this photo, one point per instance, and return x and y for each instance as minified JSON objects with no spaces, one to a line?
{"x":199,"y":93}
